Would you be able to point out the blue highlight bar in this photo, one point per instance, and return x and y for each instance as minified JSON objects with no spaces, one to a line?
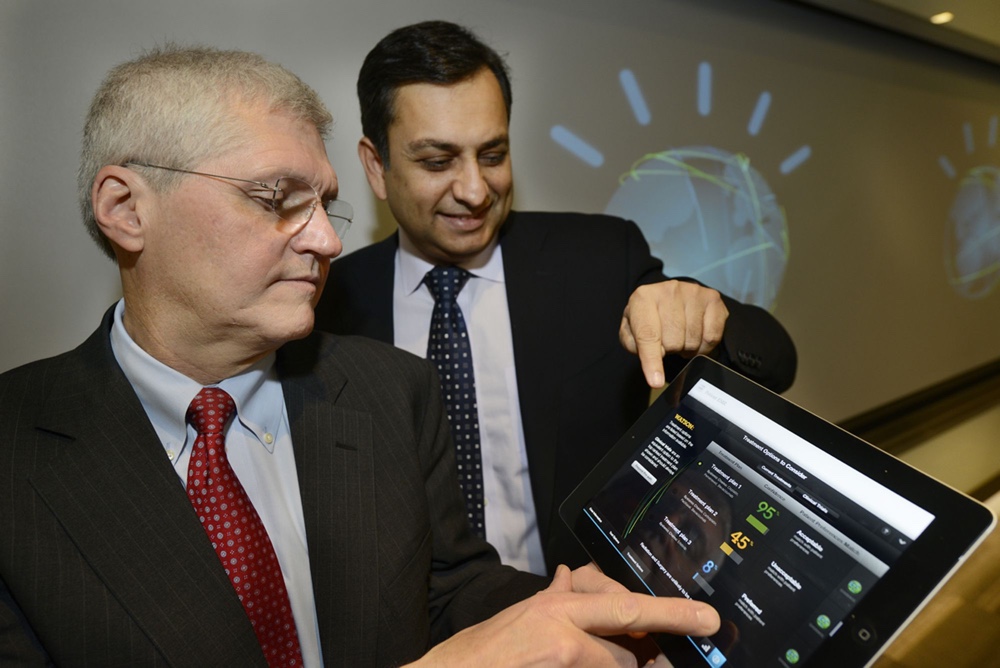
{"x":705,"y":88}
{"x":759,"y":114}
{"x":635,"y":97}
{"x":795,"y":160}
{"x":577,"y":146}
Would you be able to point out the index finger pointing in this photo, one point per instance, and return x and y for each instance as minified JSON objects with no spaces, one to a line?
{"x":640,"y":333}
{"x":612,"y":614}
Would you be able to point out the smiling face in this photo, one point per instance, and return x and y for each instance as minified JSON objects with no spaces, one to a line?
{"x":218,"y":269}
{"x":449,"y":182}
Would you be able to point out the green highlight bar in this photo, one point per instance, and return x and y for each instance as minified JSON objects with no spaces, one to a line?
{"x":757,"y":524}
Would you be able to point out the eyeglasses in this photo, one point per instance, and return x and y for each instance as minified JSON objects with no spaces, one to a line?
{"x":292,"y":200}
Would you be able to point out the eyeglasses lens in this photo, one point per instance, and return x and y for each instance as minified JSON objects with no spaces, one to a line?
{"x":295,"y":201}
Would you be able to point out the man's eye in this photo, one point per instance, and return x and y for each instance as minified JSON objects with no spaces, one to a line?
{"x":269,"y":199}
{"x":435,"y":164}
{"x":492,"y":159}
{"x":262,"y":195}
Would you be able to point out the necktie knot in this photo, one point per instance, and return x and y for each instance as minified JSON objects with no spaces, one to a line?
{"x":210,"y":410}
{"x":446,"y":282}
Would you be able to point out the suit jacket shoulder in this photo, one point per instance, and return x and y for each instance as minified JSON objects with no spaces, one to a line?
{"x":357,"y":298}
{"x":103,"y":556}
{"x":609,"y":248}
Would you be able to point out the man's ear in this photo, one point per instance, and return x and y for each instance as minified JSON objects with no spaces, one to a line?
{"x":374,"y":168}
{"x":115,"y":196}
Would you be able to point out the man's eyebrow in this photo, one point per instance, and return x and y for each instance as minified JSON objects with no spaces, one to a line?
{"x":502,"y":140}
{"x":450,"y":147}
{"x":268,"y":178}
{"x":421,"y":144}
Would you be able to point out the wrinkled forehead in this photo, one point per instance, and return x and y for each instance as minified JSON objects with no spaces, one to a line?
{"x":243,"y":123}
{"x":268,"y":144}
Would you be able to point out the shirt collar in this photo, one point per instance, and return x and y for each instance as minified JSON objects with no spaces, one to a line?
{"x":165,"y":393}
{"x":412,"y":268}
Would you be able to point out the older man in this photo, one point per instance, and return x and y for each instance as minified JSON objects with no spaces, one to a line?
{"x":203,"y":482}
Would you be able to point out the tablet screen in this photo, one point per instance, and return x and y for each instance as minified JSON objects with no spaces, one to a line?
{"x":715,"y":500}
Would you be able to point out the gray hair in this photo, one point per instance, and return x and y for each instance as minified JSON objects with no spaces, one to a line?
{"x":172,"y":106}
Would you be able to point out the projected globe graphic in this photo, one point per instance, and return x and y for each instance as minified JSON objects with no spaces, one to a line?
{"x":709,"y":215}
{"x":972,"y":238}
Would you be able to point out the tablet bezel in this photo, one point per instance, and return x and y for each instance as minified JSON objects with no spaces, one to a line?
{"x":960,"y":523}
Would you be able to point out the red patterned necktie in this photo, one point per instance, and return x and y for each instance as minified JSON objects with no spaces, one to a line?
{"x":236,"y":532}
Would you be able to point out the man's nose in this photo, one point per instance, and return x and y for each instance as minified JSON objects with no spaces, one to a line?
{"x":318,"y":236}
{"x":470,"y":187}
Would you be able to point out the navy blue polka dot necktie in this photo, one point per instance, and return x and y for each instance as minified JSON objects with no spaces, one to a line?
{"x":448,"y":347}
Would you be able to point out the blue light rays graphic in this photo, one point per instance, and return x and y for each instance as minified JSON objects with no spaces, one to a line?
{"x":759,"y":114}
{"x":972,"y":232}
{"x":705,"y":88}
{"x":577,"y":146}
{"x":635,"y":98}
{"x":726,"y":226}
{"x":792,"y":162}
{"x":947,"y":167}
{"x":591,"y":156}
{"x":970,"y":145}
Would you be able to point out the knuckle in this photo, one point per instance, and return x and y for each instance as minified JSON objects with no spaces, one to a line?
{"x":671,"y":286}
{"x":627,"y":611}
{"x":647,"y":290}
{"x":646,"y":332}
{"x":565,"y":650}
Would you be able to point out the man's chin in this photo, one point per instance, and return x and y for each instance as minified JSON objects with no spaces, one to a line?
{"x":468,"y":249}
{"x":292,"y":327}
{"x":304,"y":329}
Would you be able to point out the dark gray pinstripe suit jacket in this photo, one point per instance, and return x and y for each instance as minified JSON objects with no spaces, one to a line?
{"x":103,"y":561}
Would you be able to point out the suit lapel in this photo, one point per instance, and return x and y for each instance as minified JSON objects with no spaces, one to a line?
{"x":358,"y":296}
{"x":121,"y":503}
{"x":334,"y":459}
{"x":534,"y":295}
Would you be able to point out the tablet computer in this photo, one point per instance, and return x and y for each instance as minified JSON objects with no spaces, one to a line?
{"x":815,"y":547}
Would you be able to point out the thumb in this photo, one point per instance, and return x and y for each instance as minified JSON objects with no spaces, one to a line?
{"x":562,"y":581}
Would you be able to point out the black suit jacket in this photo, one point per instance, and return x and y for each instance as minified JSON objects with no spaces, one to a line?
{"x":568,"y":278}
{"x":103,"y":561}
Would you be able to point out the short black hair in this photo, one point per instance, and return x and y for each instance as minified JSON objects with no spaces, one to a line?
{"x":436,"y":52}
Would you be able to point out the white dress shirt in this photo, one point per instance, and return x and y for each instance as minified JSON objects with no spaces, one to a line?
{"x":511,"y":522}
{"x":259,"y":447}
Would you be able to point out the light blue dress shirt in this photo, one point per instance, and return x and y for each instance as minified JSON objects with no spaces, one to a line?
{"x":259,"y":447}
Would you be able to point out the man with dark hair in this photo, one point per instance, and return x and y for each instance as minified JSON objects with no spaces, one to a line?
{"x":205,"y":481}
{"x":435,"y":52}
{"x":540,"y":296}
